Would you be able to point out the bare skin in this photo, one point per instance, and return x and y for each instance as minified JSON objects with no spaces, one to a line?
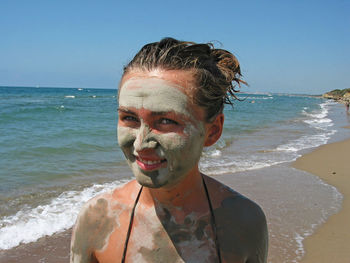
{"x":172,"y":220}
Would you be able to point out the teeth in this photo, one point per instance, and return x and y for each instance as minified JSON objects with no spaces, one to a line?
{"x":150,"y":162}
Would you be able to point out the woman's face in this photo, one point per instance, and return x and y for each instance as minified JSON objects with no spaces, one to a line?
{"x":160,"y":130}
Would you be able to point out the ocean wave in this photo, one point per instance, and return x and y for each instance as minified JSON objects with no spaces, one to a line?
{"x":28,"y":225}
{"x":284,"y":153}
{"x":261,"y":155}
{"x":69,"y":96}
{"x":317,"y":119}
{"x":318,"y":114}
{"x":224,"y":164}
{"x":214,"y":150}
{"x":306,"y":142}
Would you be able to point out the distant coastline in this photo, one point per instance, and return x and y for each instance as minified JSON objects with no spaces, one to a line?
{"x":339,"y":95}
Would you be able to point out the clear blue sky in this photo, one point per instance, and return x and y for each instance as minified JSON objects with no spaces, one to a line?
{"x":283,"y":46}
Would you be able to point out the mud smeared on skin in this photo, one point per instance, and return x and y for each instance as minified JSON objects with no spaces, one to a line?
{"x":93,"y":229}
{"x":176,"y":232}
{"x":181,"y":150}
{"x":171,"y":242}
{"x":135,"y":90}
{"x":231,"y":238}
{"x":161,"y":252}
{"x":179,"y":232}
{"x":199,"y":232}
{"x":240,"y":226}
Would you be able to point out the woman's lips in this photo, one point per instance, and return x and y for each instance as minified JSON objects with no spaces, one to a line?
{"x":150,"y":164}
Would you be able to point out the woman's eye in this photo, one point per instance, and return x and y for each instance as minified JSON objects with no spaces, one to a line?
{"x":129,"y":118}
{"x":168,"y":121}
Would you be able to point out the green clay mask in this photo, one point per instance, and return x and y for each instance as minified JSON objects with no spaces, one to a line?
{"x":179,"y":146}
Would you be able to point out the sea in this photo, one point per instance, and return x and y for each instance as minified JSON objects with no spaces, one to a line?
{"x":58,"y":149}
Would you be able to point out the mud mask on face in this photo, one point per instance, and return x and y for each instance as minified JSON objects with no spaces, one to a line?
{"x":181,"y":151}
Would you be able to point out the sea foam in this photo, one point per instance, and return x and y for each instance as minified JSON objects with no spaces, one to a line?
{"x":317,"y":130}
{"x":317,"y":120}
{"x":28,"y":225}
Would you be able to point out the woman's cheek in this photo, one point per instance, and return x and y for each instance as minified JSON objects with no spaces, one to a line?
{"x":178,"y":142}
{"x":126,"y":137}
{"x":171,"y":142}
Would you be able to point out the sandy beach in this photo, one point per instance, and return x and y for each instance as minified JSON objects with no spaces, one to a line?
{"x":331,"y":241}
{"x":52,"y":249}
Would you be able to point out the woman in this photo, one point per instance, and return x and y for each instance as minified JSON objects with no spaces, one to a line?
{"x":171,"y":98}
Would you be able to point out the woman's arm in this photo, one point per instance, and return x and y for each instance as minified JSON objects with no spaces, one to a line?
{"x":91,"y":230}
{"x":242,"y":230}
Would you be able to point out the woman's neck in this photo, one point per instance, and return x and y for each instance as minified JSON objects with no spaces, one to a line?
{"x":188,"y":194}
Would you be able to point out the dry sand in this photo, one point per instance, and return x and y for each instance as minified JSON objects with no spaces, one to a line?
{"x":331,"y":242}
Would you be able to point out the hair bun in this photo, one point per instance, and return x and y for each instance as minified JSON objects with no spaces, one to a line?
{"x":228,"y":64}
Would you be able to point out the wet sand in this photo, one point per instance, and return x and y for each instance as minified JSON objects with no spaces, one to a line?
{"x":331,"y":241}
{"x":52,"y":249}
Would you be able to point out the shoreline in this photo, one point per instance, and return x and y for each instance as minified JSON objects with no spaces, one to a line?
{"x":327,"y":243}
{"x":330,"y":241}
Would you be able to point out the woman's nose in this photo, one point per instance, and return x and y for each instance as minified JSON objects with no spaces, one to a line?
{"x":144,"y":139}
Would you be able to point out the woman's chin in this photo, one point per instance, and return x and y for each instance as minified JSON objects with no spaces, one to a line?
{"x":151,"y":179}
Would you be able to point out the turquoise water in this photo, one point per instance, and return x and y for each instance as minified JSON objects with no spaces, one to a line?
{"x":51,"y":136}
{"x":58,"y":148}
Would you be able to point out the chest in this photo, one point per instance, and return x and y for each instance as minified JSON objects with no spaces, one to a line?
{"x":165,"y":238}
{"x":168,"y":240}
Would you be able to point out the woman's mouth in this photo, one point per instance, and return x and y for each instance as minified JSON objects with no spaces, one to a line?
{"x":150,"y":164}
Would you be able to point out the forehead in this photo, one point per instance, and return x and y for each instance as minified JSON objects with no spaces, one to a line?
{"x":153,"y":94}
{"x":181,"y":78}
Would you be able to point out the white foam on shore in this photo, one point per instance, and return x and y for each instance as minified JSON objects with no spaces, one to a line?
{"x":317,"y":120}
{"x":337,"y":198}
{"x":238,"y":165}
{"x":215,"y":161}
{"x":28,"y":225}
{"x":305,"y":142}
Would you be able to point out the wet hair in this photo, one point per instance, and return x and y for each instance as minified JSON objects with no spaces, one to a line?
{"x":216,"y":71}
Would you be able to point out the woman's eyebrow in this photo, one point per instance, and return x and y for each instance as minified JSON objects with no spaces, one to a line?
{"x":160,"y":113}
{"x":153,"y":113}
{"x":126,"y":111}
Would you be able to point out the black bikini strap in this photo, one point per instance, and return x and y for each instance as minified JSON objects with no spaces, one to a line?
{"x":130,"y":225}
{"x":212,"y":221}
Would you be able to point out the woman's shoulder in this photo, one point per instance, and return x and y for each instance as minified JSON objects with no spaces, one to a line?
{"x":241,"y":222}
{"x":97,"y":219}
{"x":118,"y":198}
{"x":227,"y":198}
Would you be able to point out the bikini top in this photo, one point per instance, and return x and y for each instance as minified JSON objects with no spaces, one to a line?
{"x":212,"y":222}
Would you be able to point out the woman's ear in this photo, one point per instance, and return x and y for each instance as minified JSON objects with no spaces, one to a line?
{"x":214,"y":130}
